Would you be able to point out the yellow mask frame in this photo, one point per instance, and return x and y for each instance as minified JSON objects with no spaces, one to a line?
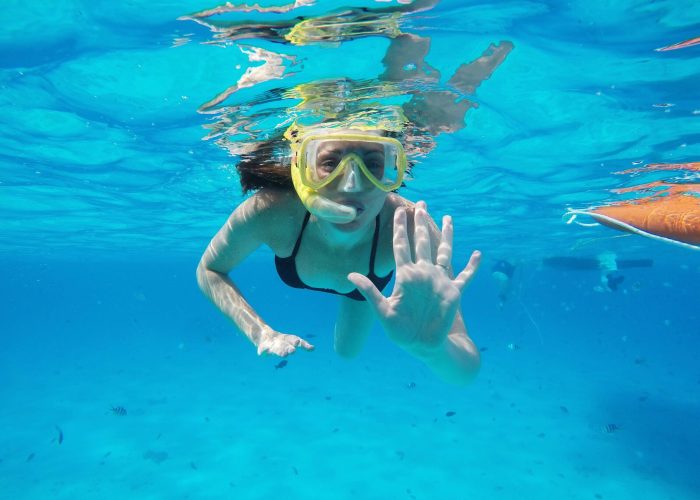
{"x":301,"y":169}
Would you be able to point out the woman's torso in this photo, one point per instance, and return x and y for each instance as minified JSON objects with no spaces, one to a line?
{"x":320,"y":262}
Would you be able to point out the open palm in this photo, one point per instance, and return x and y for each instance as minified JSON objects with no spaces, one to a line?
{"x":425,"y":298}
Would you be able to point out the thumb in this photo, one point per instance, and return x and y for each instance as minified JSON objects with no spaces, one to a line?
{"x":368,"y":290}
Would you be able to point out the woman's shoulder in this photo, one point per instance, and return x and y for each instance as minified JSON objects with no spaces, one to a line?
{"x":271,"y":202}
{"x":276,"y":215}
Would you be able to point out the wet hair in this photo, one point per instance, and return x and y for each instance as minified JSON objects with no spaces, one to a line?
{"x":268,"y":165}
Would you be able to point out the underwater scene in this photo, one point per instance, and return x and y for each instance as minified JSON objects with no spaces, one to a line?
{"x":237,"y":249}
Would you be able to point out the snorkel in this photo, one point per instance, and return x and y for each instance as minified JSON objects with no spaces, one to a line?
{"x":320,"y":206}
{"x":317,"y":205}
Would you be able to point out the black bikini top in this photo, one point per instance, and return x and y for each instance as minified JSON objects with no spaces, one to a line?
{"x":287,"y":267}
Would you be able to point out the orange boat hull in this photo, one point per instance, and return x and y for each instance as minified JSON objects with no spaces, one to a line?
{"x":675,"y":217}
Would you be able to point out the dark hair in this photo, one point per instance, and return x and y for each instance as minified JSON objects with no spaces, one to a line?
{"x":267,"y":165}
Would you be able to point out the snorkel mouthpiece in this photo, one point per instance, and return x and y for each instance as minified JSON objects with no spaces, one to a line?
{"x":320,"y":206}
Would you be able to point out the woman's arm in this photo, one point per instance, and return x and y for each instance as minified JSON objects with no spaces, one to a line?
{"x":242,"y":234}
{"x":457,"y":360}
{"x":423,"y":315}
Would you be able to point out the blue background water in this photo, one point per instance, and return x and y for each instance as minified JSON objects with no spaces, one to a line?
{"x":109,"y":195}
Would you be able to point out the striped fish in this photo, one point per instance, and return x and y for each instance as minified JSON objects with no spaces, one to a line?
{"x":610,"y":428}
{"x":119,"y":411}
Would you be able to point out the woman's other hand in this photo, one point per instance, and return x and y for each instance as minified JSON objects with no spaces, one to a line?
{"x":281,"y":344}
{"x":422,"y":307}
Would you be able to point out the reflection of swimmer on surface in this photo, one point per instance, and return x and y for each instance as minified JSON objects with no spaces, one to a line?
{"x":343,"y":24}
{"x":430,"y":110}
{"x":502,"y":271}
{"x":606,"y":263}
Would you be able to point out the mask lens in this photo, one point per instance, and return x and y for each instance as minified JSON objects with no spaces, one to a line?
{"x":325,"y":158}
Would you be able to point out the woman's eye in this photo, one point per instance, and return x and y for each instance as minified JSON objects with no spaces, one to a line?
{"x":374,"y":162}
{"x":327,"y":162}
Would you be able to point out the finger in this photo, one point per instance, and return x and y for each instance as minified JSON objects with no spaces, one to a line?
{"x":262,"y":350}
{"x":463,"y":278}
{"x":421,"y":233}
{"x":444,"y":252}
{"x":402,"y":252}
{"x":304,"y":344}
{"x":368,"y":291}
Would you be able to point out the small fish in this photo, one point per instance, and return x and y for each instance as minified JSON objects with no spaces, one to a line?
{"x":30,"y":457}
{"x":610,"y":428}
{"x":513,"y":347}
{"x":411,"y":385}
{"x":564,"y":409}
{"x":119,"y":411}
{"x":281,"y":364}
{"x":60,"y":434}
{"x":450,"y":413}
{"x":193,"y":466}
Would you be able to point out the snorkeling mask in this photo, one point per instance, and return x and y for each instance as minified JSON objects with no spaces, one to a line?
{"x":321,"y":158}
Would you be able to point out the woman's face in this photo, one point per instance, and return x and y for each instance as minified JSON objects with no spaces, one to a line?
{"x":352,"y":187}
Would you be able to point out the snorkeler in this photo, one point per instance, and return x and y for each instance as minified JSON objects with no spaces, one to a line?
{"x":325,"y":198}
{"x":342,"y":230}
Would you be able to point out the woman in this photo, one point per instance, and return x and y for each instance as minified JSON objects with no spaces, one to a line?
{"x":343,"y":230}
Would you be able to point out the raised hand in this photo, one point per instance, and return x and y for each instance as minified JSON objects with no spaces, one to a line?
{"x":425,"y":299}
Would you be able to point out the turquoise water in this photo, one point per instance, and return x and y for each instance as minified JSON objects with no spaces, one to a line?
{"x":109,"y":192}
